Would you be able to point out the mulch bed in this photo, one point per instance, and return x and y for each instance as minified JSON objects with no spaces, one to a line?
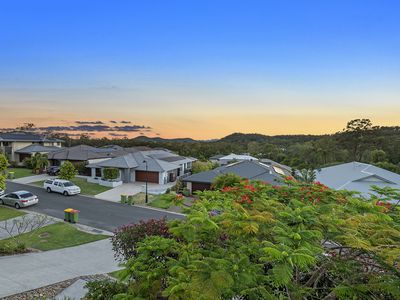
{"x":50,"y":291}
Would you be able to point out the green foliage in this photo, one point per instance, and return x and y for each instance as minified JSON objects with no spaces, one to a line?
{"x":111,"y":173}
{"x":257,"y":241}
{"x":3,"y":168}
{"x":67,"y":171}
{"x":388,"y":166}
{"x":81,"y":168}
{"x":225,"y":180}
{"x":378,"y":156}
{"x":202,"y":166}
{"x":104,"y":289}
{"x":37,"y":162}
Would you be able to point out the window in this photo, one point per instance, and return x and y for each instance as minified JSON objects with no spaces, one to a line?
{"x":25,"y":195}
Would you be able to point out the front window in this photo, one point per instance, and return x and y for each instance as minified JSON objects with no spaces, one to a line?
{"x":68,"y":184}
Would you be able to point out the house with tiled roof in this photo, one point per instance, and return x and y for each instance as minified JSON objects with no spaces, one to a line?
{"x":18,"y":145}
{"x":246,"y":169}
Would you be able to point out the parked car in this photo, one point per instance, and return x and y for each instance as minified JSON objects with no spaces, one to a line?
{"x":19,"y":199}
{"x":53,"y":170}
{"x":65,"y":187}
{"x":1,"y":192}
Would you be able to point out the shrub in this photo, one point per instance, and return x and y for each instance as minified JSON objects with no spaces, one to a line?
{"x":104,"y":289}
{"x":12,"y":248}
{"x":3,"y":168}
{"x":186,"y":192}
{"x":67,"y":171}
{"x":81,"y":168}
{"x":177,"y":187}
{"x":28,"y":163}
{"x":225,"y":180}
{"x":126,"y":238}
{"x":111,"y":173}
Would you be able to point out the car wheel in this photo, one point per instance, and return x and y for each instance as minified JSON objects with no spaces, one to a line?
{"x":17,"y":206}
{"x":48,"y":190}
{"x":65,"y":193}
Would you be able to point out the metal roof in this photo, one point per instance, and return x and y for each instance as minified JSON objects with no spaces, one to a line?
{"x":355,"y":176}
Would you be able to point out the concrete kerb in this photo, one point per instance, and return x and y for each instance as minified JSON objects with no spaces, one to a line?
{"x":160,"y":210}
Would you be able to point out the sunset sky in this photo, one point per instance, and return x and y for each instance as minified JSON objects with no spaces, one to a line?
{"x":200,"y":69}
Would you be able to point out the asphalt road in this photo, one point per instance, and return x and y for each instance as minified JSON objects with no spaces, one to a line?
{"x":94,"y":212}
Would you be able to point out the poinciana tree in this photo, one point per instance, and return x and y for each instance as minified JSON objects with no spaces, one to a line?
{"x":257,"y":241}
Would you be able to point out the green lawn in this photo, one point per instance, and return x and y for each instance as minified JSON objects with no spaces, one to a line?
{"x":20,"y":172}
{"x":56,"y":236}
{"x":158,"y":201}
{"x":8,"y":213}
{"x":140,"y":198}
{"x":87,"y":188}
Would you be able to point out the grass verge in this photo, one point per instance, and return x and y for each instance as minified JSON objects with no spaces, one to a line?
{"x":20,"y":172}
{"x":9,"y":213}
{"x":55,"y":236}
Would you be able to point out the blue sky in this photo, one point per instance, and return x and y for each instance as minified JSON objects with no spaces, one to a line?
{"x":243,"y":61}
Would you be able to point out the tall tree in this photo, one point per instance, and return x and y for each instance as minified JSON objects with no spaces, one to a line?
{"x":356,"y":136}
{"x":3,"y":168}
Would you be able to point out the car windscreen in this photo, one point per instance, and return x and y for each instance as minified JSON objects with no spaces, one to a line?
{"x":67,"y":184}
{"x":25,"y":195}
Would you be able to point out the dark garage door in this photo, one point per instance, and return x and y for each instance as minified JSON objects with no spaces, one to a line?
{"x":152,"y":176}
{"x":200,"y":186}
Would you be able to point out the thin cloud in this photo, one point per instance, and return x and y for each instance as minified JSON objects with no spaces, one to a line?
{"x":89,"y":122}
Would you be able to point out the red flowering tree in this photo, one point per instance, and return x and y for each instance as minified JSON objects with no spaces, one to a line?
{"x":257,"y":241}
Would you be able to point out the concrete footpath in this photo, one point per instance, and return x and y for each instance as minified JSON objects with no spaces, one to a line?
{"x":29,"y":271}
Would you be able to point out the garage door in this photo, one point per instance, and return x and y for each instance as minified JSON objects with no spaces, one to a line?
{"x":151,"y":176}
{"x":200,"y":186}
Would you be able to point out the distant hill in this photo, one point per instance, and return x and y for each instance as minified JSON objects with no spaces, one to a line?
{"x":244,"y":138}
{"x":146,"y":139}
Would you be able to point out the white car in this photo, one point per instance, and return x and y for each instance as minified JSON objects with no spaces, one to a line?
{"x":1,"y":192}
{"x":65,"y":187}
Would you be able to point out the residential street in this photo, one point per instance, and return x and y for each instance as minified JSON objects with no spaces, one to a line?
{"x":94,"y":212}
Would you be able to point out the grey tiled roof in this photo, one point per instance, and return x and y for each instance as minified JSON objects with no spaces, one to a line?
{"x":25,"y":137}
{"x":137,"y":161}
{"x":81,"y":153}
{"x":245,"y":169}
{"x":37,"y":148}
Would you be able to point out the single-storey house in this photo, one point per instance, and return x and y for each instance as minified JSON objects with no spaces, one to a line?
{"x":356,"y":176}
{"x":82,"y":154}
{"x":252,"y":170}
{"x":18,"y":145}
{"x":159,"y":167}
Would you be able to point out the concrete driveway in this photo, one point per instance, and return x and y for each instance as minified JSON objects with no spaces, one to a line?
{"x":20,"y":273}
{"x":114,"y":194}
{"x":33,"y":178}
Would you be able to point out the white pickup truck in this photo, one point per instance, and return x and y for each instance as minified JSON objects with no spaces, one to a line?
{"x":65,"y":187}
